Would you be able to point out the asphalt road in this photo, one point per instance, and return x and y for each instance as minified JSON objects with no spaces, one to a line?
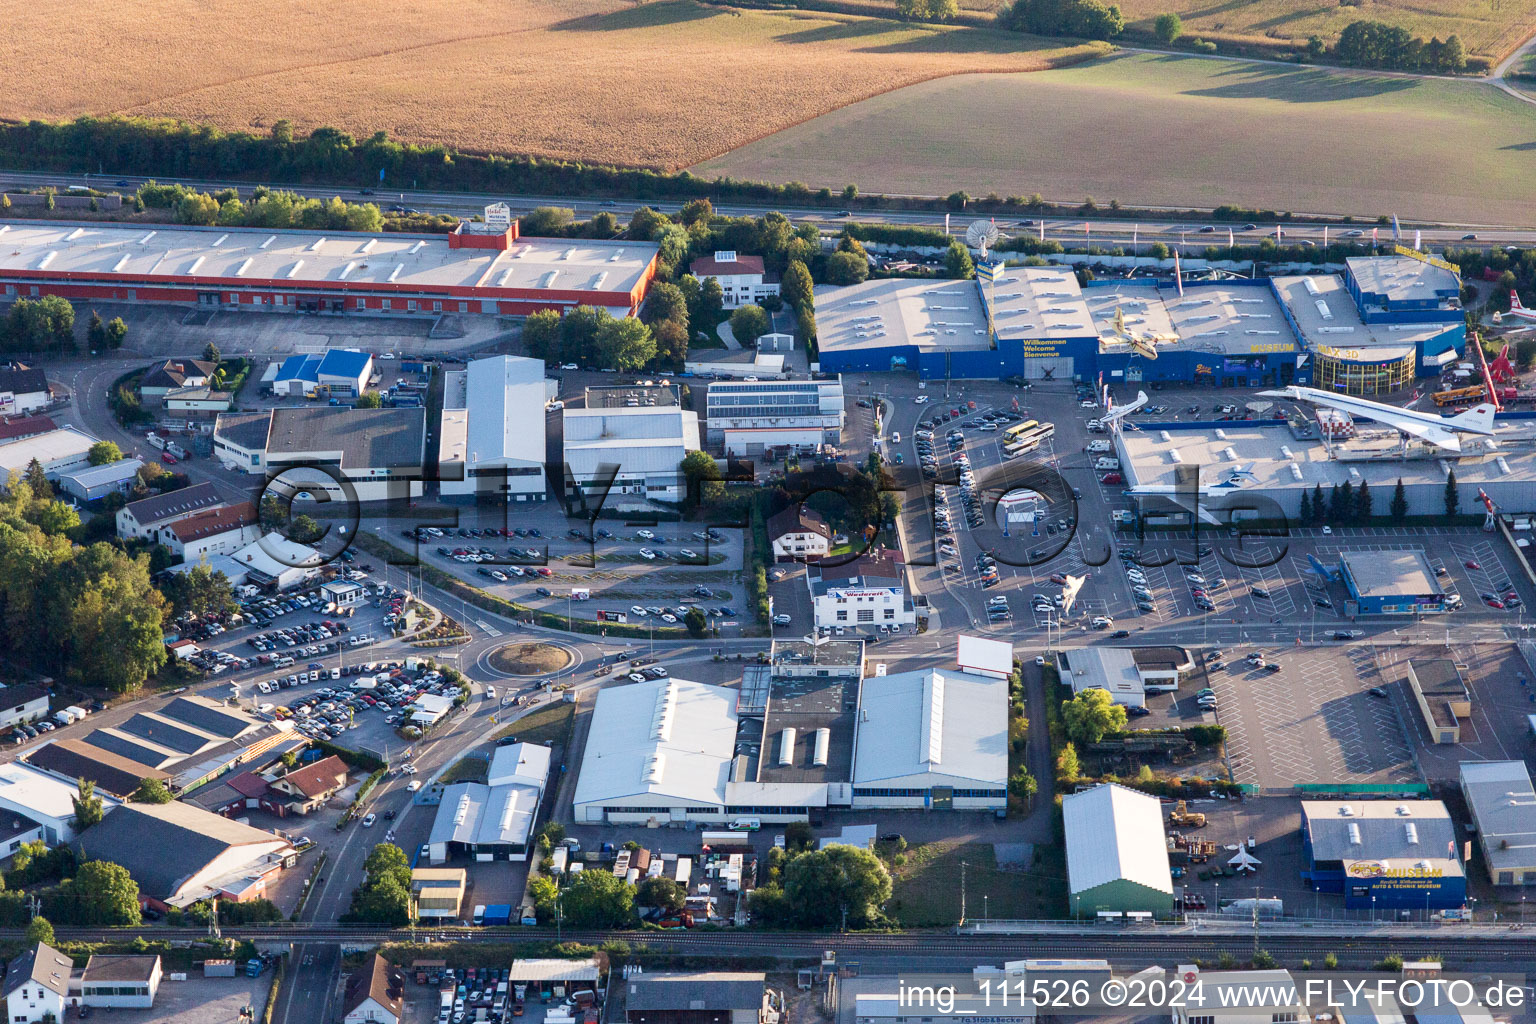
{"x":1105,"y":231}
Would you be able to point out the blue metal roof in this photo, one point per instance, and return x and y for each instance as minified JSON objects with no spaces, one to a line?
{"x":344,"y":363}
{"x":300,"y":368}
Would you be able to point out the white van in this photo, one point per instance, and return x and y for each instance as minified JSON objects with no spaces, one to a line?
{"x":1100,"y":446}
{"x":1106,"y":463}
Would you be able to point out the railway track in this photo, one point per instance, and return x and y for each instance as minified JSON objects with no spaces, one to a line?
{"x":1514,"y":947}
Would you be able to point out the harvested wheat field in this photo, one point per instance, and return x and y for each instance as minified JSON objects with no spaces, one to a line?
{"x":1180,"y":131}
{"x":661,"y":84}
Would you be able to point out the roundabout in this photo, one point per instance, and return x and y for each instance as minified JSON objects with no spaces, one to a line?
{"x":529,"y":659}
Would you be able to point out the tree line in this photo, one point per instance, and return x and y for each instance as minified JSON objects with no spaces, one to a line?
{"x":1082,"y":19}
{"x":1376,"y":44}
{"x":89,"y":614}
{"x":267,"y":208}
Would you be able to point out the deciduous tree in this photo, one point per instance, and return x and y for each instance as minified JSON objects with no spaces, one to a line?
{"x":1091,"y":715}
{"x":845,"y":268}
{"x":1168,"y":27}
{"x":748,"y":323}
{"x":661,"y":892}
{"x":151,"y":791}
{"x":101,"y":893}
{"x":596,"y":899}
{"x":835,"y":887}
{"x":104,"y":452}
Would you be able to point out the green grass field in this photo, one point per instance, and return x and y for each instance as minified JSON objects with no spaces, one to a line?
{"x":1179,"y":131}
{"x":548,"y":724}
{"x":925,"y":890}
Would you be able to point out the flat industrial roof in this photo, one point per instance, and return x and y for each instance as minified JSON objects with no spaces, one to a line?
{"x":662,"y":739}
{"x":934,"y":723}
{"x":1270,"y":451}
{"x":1328,"y":318}
{"x":63,"y":443}
{"x":505,"y":397}
{"x":640,"y":439}
{"x":1402,"y":278}
{"x":1503,"y":805}
{"x":1112,"y":669}
{"x":900,"y":312}
{"x":365,"y":438}
{"x":1380,"y":830}
{"x":1390,"y":573}
{"x":1223,"y":318}
{"x":1039,"y":302}
{"x":309,"y":257}
{"x":806,"y":705}
{"x":824,"y":651}
{"x":33,"y":790}
{"x":1438,"y":677}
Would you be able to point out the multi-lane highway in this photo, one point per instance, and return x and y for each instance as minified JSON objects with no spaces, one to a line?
{"x":1099,"y":230}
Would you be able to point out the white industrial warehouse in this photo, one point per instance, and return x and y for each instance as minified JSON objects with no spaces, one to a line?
{"x":933,"y":739}
{"x":1117,"y":853}
{"x":801,"y":733}
{"x":491,"y":441}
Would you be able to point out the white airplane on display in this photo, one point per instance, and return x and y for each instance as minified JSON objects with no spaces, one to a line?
{"x":1517,"y":311}
{"x":1119,"y":412}
{"x":1441,"y":431}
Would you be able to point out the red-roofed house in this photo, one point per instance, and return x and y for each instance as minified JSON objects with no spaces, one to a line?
{"x":213,"y":531}
{"x":311,"y":786}
{"x":741,"y":278}
{"x":15,"y":428}
{"x":799,"y":532}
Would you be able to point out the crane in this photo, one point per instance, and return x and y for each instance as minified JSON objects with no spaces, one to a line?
{"x":1482,"y":361}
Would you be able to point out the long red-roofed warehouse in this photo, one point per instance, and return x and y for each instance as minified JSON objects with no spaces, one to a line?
{"x":482,"y":268}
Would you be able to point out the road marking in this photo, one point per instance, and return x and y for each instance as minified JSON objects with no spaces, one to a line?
{"x":489,"y":629}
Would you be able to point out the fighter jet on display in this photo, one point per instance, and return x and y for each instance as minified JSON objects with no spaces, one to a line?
{"x":1441,"y":431}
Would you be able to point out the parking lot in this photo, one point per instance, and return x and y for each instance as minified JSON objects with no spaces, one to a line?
{"x":198,"y":1000}
{"x":294,"y":659}
{"x":1312,"y":721}
{"x":1502,"y":685}
{"x":581,"y":571}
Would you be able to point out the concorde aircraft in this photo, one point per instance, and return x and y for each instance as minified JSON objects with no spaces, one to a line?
{"x":1441,"y":431}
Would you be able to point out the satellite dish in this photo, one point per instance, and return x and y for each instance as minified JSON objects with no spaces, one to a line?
{"x":982,"y":234}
